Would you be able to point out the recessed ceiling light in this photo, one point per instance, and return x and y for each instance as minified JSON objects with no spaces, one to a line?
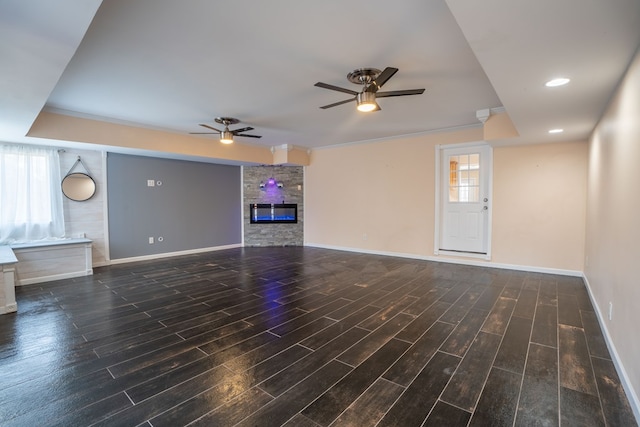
{"x":556,"y":131}
{"x":557,"y":82}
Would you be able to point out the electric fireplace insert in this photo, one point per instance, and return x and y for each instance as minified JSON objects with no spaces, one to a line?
{"x":274,"y":213}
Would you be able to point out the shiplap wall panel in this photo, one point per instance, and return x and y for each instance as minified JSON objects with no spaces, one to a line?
{"x":87,"y":218}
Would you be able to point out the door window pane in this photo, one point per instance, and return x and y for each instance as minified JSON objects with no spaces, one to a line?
{"x":464,"y":178}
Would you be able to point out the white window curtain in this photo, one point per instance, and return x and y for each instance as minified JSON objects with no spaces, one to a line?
{"x":30,"y":194}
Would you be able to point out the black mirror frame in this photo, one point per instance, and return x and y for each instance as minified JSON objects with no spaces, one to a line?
{"x":75,"y":175}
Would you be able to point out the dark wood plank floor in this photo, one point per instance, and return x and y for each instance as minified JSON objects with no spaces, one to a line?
{"x":306,"y":337}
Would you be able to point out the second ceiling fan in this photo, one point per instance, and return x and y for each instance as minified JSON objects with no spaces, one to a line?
{"x":226,"y":135}
{"x":371,"y":80}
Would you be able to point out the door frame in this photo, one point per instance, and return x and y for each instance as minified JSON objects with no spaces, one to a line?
{"x":439,"y":148}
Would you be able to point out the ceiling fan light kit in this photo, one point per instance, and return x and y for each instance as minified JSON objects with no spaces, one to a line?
{"x":226,"y":137}
{"x":366,"y":102}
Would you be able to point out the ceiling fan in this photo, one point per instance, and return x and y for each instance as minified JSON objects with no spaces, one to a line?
{"x":226,"y":135}
{"x":371,"y":80}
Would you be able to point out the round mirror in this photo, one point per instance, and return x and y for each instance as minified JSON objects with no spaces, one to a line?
{"x":78,"y":186}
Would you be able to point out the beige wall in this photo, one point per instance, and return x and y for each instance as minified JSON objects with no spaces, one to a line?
{"x":612,"y":232}
{"x":539,"y":202}
{"x":375,"y":196}
{"x":380,"y":197}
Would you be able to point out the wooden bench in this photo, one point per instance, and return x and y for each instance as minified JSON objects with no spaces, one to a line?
{"x":43,"y":261}
{"x":8,"y":263}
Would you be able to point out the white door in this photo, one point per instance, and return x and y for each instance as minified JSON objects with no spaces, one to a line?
{"x":465,"y":200}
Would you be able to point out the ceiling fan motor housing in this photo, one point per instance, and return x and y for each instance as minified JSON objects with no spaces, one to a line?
{"x":226,"y":121}
{"x":363,"y":76}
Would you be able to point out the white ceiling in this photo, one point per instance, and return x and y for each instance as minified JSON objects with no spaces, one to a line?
{"x":170,"y":65}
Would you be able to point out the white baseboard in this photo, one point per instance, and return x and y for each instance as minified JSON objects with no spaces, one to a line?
{"x":622,"y":373}
{"x":171,"y":254}
{"x":456,"y":260}
{"x":50,"y":278}
{"x":9,"y":308}
{"x":101,"y":264}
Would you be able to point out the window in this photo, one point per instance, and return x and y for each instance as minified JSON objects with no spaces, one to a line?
{"x":464,"y":178}
{"x":30,"y":195}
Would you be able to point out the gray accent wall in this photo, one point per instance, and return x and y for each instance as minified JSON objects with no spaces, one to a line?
{"x":292,"y":178}
{"x":192,"y":205}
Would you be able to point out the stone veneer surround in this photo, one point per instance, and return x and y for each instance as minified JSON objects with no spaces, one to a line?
{"x":292,"y":178}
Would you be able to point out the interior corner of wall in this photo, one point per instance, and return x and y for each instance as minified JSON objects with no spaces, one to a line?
{"x":290,"y":155}
{"x":499,"y":126}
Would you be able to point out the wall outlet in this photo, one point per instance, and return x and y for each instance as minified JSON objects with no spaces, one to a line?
{"x":151,"y":183}
{"x":364,"y":236}
{"x":151,"y":240}
{"x":610,"y":310}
